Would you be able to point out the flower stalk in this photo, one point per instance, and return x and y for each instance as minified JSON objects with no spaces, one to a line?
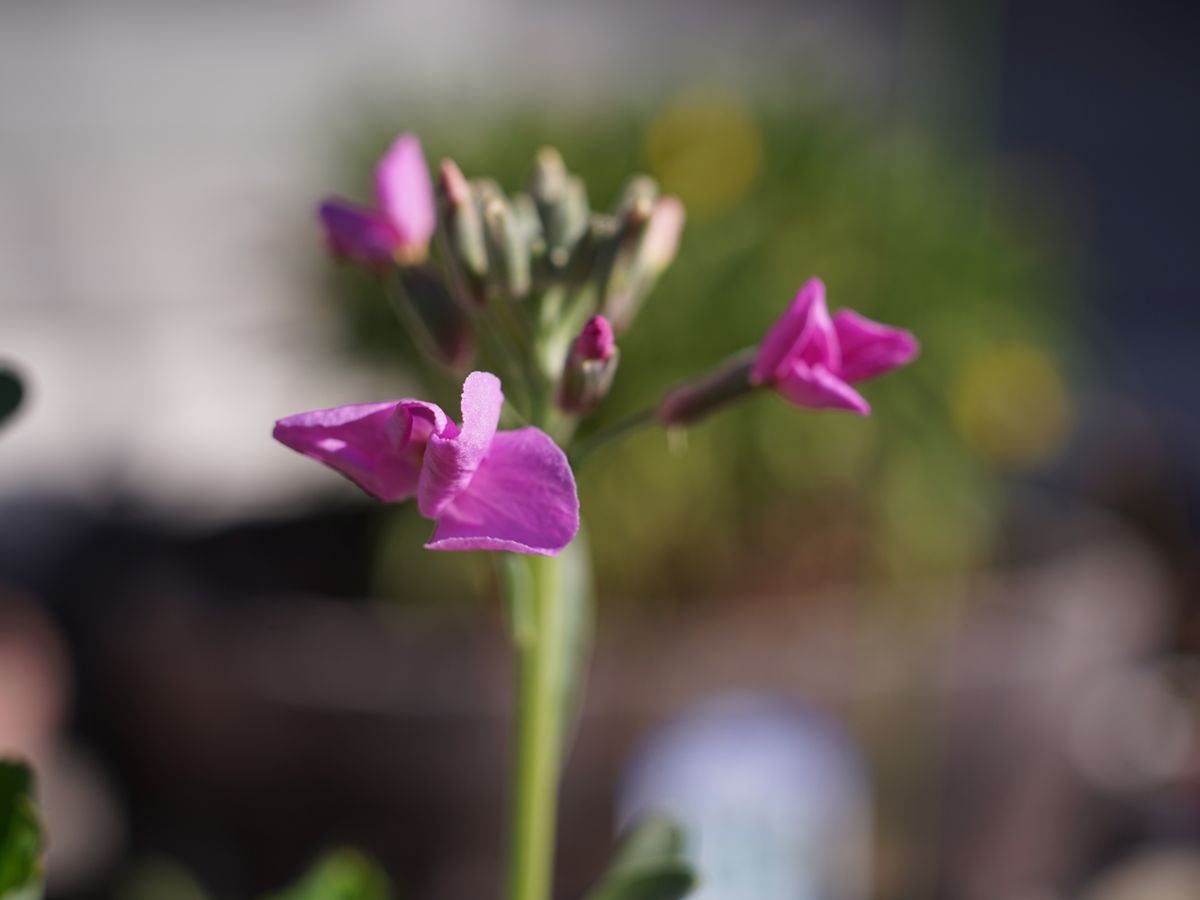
{"x":690,"y":402}
{"x":538,"y":763}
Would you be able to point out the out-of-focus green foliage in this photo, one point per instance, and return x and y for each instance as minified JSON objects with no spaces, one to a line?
{"x":21,"y":841}
{"x":343,"y":874}
{"x":648,"y":865}
{"x":766,"y":494}
{"x":340,"y":875}
{"x":160,"y":879}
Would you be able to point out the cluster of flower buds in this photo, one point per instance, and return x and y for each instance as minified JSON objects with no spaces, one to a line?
{"x":565,"y":272}
{"x":536,"y":281}
{"x":540,"y":285}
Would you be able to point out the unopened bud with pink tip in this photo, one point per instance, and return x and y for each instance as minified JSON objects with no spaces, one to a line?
{"x":461,"y":235}
{"x":589,"y":369}
{"x":596,"y":341}
{"x":650,"y":230}
{"x":662,"y":234}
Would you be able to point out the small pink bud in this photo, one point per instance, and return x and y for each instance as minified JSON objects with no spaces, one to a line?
{"x":590,"y":367}
{"x":596,"y":341}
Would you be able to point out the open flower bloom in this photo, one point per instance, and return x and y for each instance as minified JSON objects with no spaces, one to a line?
{"x":399,"y":228}
{"x":486,"y":490}
{"x":813,"y":359}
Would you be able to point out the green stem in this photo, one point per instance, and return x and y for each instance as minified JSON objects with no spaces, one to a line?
{"x":539,"y":733}
{"x":626,"y":426}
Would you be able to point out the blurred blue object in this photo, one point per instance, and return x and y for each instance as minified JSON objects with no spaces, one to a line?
{"x":773,"y":798}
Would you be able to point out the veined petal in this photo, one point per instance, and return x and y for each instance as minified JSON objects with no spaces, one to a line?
{"x":791,"y":333}
{"x":453,"y":456}
{"x":404,"y":191}
{"x":870,"y":348}
{"x":522,"y":499}
{"x":817,"y":388}
{"x":357,"y":233}
{"x":378,"y":446}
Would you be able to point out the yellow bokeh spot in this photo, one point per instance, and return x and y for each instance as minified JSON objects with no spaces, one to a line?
{"x":705,"y":147}
{"x":1011,"y":405}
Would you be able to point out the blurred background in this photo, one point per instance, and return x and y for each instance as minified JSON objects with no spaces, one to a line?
{"x":949,"y":651}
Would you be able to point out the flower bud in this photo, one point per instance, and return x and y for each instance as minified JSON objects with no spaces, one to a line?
{"x":485,"y":190}
{"x":595,"y":250}
{"x":440,"y":328}
{"x":661,"y":240}
{"x":590,"y":368}
{"x":596,"y":340}
{"x":508,"y":248}
{"x":562,"y":204}
{"x":693,"y":400}
{"x":636,"y":200}
{"x":650,"y":230}
{"x":526,"y":214}
{"x":548,"y":176}
{"x":460,"y":229}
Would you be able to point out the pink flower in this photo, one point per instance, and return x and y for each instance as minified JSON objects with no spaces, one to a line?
{"x":812,"y":359}
{"x":400,"y":227}
{"x":511,"y":490}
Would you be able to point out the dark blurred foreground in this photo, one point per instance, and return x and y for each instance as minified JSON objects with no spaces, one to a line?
{"x":236,"y":708}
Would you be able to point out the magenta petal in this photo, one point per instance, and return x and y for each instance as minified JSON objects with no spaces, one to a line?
{"x":405,"y":193}
{"x":818,"y":388}
{"x":357,"y":233}
{"x":791,"y":331}
{"x":821,"y":346}
{"x":453,"y":457}
{"x":870,"y":348}
{"x":378,"y":446}
{"x":596,"y":341}
{"x":521,"y":499}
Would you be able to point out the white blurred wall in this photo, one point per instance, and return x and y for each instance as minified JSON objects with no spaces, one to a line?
{"x":159,"y":160}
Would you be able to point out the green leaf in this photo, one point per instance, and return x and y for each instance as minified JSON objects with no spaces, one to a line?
{"x":648,"y":864}
{"x":653,"y":837}
{"x":12,"y":392}
{"x":342,"y":874}
{"x":21,"y":840}
{"x":667,"y":879}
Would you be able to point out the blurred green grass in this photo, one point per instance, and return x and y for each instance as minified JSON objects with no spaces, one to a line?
{"x":766,"y":496}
